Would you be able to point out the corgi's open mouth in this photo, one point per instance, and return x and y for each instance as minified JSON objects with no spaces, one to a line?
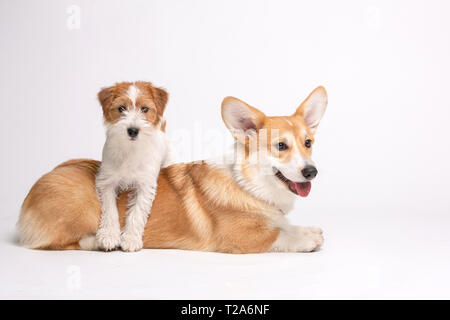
{"x":301,"y":189}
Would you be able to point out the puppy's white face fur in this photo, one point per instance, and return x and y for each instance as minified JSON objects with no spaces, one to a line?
{"x":133,"y":114}
{"x":132,"y":110}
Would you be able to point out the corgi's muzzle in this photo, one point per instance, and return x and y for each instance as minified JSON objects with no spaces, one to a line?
{"x":309,"y":172}
{"x":301,"y":189}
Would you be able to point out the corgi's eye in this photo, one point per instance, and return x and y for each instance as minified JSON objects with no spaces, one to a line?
{"x":144,"y":109}
{"x":308,"y":143}
{"x":121,"y":109}
{"x":281,"y":146}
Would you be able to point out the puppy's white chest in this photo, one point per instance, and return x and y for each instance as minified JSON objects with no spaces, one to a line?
{"x":138,"y":163}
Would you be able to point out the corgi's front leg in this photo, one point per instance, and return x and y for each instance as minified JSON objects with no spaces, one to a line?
{"x":298,"y":239}
{"x":108,"y":234}
{"x":136,"y":218}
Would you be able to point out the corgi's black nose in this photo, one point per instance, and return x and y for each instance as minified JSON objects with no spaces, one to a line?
{"x":133,"y":132}
{"x":309,"y":172}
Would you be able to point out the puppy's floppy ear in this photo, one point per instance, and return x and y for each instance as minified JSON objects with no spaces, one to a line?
{"x":105,"y":96}
{"x":313,"y":108}
{"x":160,"y":97}
{"x":163,"y":126}
{"x":240,"y":118}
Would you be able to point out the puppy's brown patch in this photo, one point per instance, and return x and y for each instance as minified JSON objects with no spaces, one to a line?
{"x":114,"y":97}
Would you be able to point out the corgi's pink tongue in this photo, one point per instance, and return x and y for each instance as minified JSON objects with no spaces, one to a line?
{"x":302,"y":188}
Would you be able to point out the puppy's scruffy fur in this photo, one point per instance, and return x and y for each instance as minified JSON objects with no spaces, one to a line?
{"x":134,"y":151}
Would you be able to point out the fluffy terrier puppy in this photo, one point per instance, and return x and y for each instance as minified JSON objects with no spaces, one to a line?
{"x":135,"y":149}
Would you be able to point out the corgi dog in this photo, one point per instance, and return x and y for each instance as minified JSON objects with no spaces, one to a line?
{"x":134,"y":151}
{"x":235,"y":204}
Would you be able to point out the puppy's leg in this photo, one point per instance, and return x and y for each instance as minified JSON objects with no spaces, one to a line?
{"x":108,"y":234}
{"x":298,"y":239}
{"x":136,"y":218}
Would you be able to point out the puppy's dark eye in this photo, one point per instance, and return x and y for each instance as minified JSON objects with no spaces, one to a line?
{"x":144,"y":109}
{"x":308,"y":143}
{"x":281,"y":146}
{"x":121,"y":109}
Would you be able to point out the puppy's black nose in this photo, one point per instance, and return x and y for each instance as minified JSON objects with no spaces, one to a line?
{"x":309,"y":172}
{"x":133,"y":132}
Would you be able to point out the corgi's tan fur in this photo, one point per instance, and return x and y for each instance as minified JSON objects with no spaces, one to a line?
{"x":230,"y":207}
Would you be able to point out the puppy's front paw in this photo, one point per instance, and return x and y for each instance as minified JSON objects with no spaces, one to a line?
{"x":108,"y":240}
{"x":130,"y":242}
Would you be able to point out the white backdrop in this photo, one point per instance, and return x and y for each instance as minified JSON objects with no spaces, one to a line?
{"x":382,"y":150}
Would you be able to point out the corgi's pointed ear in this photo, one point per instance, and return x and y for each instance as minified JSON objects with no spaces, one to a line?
{"x":313,"y":108}
{"x":240,"y":118}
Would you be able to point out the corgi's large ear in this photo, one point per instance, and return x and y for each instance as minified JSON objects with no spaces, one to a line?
{"x":240,"y":118}
{"x":313,"y":108}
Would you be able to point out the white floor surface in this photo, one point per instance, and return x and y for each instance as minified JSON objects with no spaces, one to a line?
{"x":378,"y":254}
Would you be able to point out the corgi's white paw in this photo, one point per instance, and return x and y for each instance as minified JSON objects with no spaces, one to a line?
{"x":310,"y":239}
{"x":298,"y":239}
{"x":310,"y":230}
{"x":108,"y":239}
{"x":131,"y":242}
{"x":310,"y":243}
